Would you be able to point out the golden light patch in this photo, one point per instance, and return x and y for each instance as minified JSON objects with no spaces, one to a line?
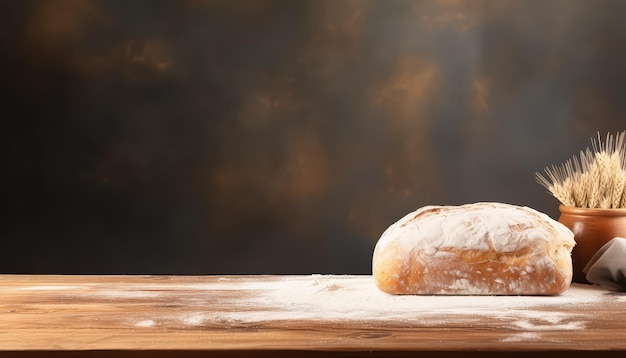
{"x":459,"y":15}
{"x":480,"y":95}
{"x":478,"y":125}
{"x":344,"y":19}
{"x":307,"y":168}
{"x":412,"y":86}
{"x":59,"y":23}
{"x":335,"y":34}
{"x":151,"y":54}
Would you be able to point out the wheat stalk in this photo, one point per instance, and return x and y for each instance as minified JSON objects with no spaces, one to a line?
{"x":617,"y":181}
{"x":594,"y":179}
{"x":622,"y":203}
{"x":602,"y":183}
{"x":580,"y":195}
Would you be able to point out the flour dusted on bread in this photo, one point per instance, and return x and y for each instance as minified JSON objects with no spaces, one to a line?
{"x":474,"y":249}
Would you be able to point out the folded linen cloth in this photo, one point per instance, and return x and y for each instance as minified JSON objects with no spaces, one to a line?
{"x":607,"y":267}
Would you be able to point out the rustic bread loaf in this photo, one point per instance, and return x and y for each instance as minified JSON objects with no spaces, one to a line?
{"x":474,"y":249}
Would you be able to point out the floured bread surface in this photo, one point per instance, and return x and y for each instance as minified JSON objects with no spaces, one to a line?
{"x":478,"y":249}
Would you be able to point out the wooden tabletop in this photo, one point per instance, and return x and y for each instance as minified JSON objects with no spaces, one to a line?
{"x":138,"y":316}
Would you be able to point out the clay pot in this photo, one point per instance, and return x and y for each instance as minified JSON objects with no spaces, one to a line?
{"x":592,"y":229}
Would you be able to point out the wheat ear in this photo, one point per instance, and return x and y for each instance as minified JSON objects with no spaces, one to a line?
{"x":597,"y":181}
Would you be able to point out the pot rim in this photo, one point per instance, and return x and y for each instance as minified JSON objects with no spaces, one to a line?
{"x":591,"y":211}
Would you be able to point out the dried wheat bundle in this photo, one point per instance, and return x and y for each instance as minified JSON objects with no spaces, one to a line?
{"x":597,"y":180}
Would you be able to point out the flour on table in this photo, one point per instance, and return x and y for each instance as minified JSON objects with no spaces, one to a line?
{"x":356,"y":298}
{"x":524,"y":337}
{"x":530,"y":326}
{"x":145,"y":323}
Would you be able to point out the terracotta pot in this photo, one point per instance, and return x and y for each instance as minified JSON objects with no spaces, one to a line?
{"x":592,"y":229}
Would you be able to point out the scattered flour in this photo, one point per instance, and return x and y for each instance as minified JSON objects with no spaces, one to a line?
{"x":523,"y":337}
{"x":530,"y":326}
{"x":194,"y":319}
{"x":356,"y":298}
{"x":145,"y":323}
{"x":345,"y":297}
{"x":240,"y":303}
{"x":244,"y":302}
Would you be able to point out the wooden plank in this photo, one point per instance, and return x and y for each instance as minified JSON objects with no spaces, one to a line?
{"x":249,"y":314}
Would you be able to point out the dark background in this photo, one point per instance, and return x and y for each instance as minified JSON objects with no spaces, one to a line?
{"x":215,"y":137}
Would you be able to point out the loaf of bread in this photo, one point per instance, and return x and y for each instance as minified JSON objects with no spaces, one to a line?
{"x":474,"y":249}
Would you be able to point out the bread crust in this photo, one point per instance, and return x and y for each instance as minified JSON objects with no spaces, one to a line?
{"x":474,"y":249}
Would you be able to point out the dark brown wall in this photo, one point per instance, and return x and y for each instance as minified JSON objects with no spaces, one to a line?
{"x":207,"y":137}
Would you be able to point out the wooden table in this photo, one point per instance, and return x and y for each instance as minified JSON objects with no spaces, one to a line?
{"x":189,"y":316}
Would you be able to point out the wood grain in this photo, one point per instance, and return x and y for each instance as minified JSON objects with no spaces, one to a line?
{"x":279,"y":315}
